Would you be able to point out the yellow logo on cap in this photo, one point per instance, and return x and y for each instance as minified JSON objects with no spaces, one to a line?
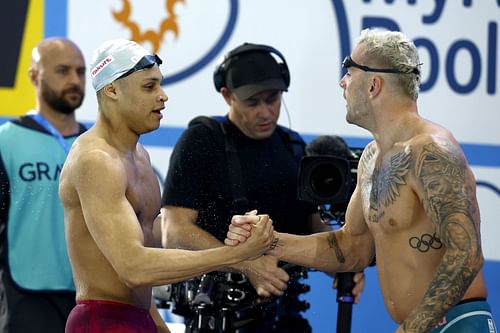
{"x":155,"y":37}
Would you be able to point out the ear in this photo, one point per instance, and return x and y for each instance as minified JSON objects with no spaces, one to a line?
{"x":376,"y":83}
{"x":226,"y":93}
{"x":110,"y":91}
{"x":33,"y":75}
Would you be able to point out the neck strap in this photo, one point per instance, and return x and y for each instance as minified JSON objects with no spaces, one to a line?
{"x":39,"y":118}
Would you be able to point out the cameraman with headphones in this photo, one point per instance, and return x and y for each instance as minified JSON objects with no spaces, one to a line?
{"x":243,"y":161}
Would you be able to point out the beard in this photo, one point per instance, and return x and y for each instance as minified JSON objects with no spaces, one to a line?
{"x":358,"y":111}
{"x":59,"y":101}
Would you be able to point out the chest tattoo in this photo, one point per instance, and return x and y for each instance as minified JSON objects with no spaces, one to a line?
{"x":426,"y":242}
{"x":386,"y":181}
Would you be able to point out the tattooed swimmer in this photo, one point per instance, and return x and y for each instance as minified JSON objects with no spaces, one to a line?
{"x":414,"y":205}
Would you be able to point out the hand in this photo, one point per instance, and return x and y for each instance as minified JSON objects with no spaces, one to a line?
{"x":359,"y":285}
{"x":265,"y":276}
{"x":261,"y":238}
{"x":241,"y":227}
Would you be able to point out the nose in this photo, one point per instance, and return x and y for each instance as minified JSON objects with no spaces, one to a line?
{"x":163,"y":96}
{"x":342,"y":82}
{"x":267,"y":109}
{"x":77,"y":78}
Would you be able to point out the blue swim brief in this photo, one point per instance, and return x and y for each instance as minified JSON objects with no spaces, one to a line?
{"x":468,"y":316}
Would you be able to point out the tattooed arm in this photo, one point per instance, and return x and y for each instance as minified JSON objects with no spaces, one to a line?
{"x":446,"y":188}
{"x":350,"y":248}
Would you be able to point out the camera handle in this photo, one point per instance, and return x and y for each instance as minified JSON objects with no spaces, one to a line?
{"x":345,"y":299}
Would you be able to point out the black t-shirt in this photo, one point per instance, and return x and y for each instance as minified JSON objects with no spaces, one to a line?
{"x":198,"y":178}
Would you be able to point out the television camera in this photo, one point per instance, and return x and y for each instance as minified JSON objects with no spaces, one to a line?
{"x":327,"y":178}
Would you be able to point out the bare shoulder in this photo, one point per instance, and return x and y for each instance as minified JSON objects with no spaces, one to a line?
{"x":143,"y":153}
{"x":93,"y":160}
{"x":367,"y":156}
{"x":437,"y":149}
{"x":443,"y":178}
{"x":434,"y":134}
{"x":369,"y":150}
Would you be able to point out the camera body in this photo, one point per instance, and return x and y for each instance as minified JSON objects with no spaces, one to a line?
{"x":328,"y":179}
{"x":227,"y":302}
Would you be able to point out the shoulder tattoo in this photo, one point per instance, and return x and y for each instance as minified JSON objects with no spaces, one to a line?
{"x":450,"y":203}
{"x":441,"y":172}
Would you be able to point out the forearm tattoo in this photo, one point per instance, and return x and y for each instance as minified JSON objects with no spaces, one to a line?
{"x":334,"y":244}
{"x":450,"y":203}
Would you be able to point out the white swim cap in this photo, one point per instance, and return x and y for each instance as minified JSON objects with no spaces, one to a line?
{"x":116,"y":58}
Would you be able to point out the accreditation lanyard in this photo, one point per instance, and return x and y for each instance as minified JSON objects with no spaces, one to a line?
{"x":51,"y":129}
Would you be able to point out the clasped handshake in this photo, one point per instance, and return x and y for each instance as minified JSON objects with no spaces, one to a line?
{"x":256,"y":229}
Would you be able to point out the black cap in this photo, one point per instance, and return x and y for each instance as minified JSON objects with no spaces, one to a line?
{"x":250,"y":73}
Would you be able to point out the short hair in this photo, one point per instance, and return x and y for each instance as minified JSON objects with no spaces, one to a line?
{"x":393,"y":49}
{"x":331,"y":145}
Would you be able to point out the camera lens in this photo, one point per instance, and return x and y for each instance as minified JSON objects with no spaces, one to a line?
{"x":326,"y":179}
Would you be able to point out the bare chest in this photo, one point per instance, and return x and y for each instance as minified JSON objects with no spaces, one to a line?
{"x":387,"y":196}
{"x":143,"y":192}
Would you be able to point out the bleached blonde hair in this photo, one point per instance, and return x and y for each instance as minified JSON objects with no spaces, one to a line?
{"x":393,"y":49}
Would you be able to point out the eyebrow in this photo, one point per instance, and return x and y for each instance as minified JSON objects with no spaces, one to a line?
{"x":151,"y":75}
{"x":62,"y":65}
{"x":154,"y":79}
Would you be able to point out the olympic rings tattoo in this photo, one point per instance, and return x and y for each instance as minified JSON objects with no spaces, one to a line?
{"x":426,"y":242}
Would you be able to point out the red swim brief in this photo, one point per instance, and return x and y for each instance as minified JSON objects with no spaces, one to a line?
{"x":92,"y":316}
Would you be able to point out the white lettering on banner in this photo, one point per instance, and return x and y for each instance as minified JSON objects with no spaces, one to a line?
{"x":470,"y":48}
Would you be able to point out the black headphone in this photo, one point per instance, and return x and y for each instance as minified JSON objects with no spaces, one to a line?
{"x":221,"y":69}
